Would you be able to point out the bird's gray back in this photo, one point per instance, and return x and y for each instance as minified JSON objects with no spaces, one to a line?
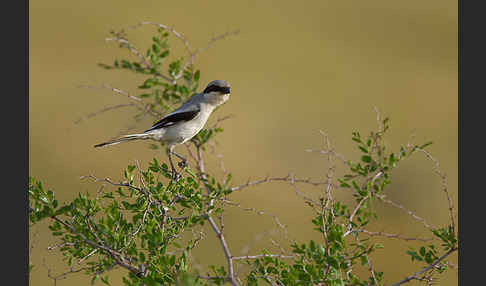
{"x":190,"y":105}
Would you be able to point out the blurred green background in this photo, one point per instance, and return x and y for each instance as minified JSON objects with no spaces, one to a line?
{"x":295,"y":68}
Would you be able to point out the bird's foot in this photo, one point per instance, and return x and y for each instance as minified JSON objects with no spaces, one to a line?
{"x":182,"y":164}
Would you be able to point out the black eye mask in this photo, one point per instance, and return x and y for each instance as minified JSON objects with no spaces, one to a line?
{"x":221,"y":89}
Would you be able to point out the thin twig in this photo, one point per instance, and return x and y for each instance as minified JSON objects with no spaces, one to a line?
{"x":262,"y":255}
{"x":444,"y":186}
{"x":413,"y":215}
{"x":170,"y":29}
{"x":214,"y":39}
{"x":288,"y":178}
{"x":60,"y":245}
{"x":117,"y":256}
{"x":125,"y":43}
{"x":113,"y":89}
{"x":108,"y":108}
{"x":87,"y":256}
{"x":370,"y":268}
{"x":416,"y":274}
{"x":351,"y":217}
{"x":392,"y":235}
{"x":140,"y":105}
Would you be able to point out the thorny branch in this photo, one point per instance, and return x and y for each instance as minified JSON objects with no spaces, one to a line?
{"x":418,"y":273}
{"x":392,"y":235}
{"x":325,"y":207}
{"x":211,"y":221}
{"x":138,"y":102}
{"x":125,"y":43}
{"x":113,"y":89}
{"x":289,"y":178}
{"x":192,"y":53}
{"x":103,"y":110}
{"x":119,"y":258}
{"x":262,"y":255}
{"x":409,"y":212}
{"x":351,"y":217}
{"x":444,"y":186}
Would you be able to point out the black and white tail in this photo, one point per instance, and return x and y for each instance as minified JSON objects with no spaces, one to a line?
{"x":125,"y":138}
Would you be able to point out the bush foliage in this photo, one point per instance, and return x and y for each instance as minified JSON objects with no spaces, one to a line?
{"x":139,"y":223}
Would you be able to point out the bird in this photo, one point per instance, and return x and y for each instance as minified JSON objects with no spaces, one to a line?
{"x":182,"y":124}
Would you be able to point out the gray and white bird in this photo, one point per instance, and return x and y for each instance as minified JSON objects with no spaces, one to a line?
{"x":183,"y":123}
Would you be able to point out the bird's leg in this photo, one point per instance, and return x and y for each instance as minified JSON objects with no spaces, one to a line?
{"x":182,"y":164}
{"x":175,"y":175}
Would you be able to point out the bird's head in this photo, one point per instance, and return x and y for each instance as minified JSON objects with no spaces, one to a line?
{"x":217,"y":92}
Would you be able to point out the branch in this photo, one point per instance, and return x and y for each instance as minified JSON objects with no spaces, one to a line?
{"x":60,"y":245}
{"x":261,"y":255}
{"x":170,"y":29}
{"x":140,"y":190}
{"x":212,"y":277}
{"x":103,"y":110}
{"x":139,"y":55}
{"x":370,"y":268}
{"x":192,"y":53}
{"x":221,"y":119}
{"x":416,"y":274}
{"x":329,"y":199}
{"x":226,"y":251}
{"x":117,"y":256}
{"x":87,"y":256}
{"x":115,"y":90}
{"x":212,"y":40}
{"x":391,"y":235}
{"x":140,"y":105}
{"x":416,"y":217}
{"x":351,"y":217}
{"x":288,"y":178}
{"x":444,"y":186}
{"x":329,"y":152}
{"x":219,"y":234}
{"x":261,"y":212}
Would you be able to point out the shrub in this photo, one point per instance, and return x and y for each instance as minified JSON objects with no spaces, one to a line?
{"x":138,"y":224}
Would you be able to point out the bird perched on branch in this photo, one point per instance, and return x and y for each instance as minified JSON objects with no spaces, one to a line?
{"x":183,"y":123}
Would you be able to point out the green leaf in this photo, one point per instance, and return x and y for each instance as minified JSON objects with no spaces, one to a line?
{"x":391,"y":160}
{"x":105,"y":280}
{"x":414,"y":255}
{"x":422,"y":251}
{"x":155,"y":48}
{"x":363,"y":149}
{"x":197,"y":75}
{"x":44,"y":199}
{"x":366,"y":158}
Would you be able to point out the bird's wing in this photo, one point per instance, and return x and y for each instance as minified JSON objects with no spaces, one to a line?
{"x":175,"y":117}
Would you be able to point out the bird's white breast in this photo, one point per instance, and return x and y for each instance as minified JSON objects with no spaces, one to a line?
{"x":182,"y":132}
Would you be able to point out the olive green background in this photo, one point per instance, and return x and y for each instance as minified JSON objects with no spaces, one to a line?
{"x":296,"y":68}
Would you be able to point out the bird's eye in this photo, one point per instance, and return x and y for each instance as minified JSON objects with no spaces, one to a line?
{"x":215,"y":88}
{"x":210,"y":89}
